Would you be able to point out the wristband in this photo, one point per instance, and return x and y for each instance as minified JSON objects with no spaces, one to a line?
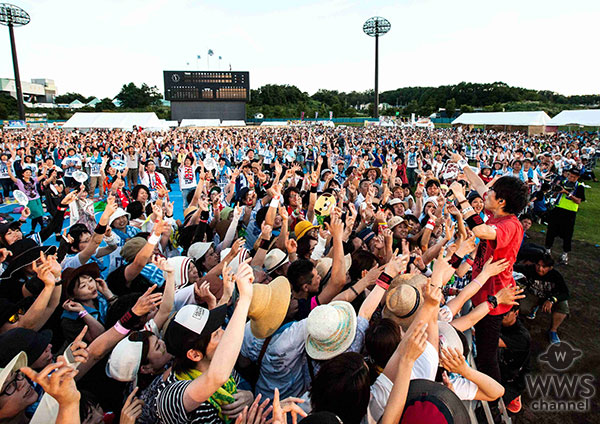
{"x":476,"y":281}
{"x":455,"y":261}
{"x":313,"y":189}
{"x":120,"y":329}
{"x":430,"y":225}
{"x":264,"y":244}
{"x":83,"y":313}
{"x":384,"y":182}
{"x":463,"y":201}
{"x":130,"y":320}
{"x":62,"y":208}
{"x":552,"y":299}
{"x":474,"y":221}
{"x":100,"y":229}
{"x":384,"y":281}
{"x":427,"y":272}
{"x":274,"y":202}
{"x":467,"y":210}
{"x":490,"y":305}
{"x":462,"y":164}
{"x":470,"y":261}
{"x":153,"y":239}
{"x":354,"y":290}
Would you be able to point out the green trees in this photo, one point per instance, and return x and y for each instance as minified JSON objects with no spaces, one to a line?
{"x":135,"y":97}
{"x":69,"y":97}
{"x":8,"y":106}
{"x":105,"y":104}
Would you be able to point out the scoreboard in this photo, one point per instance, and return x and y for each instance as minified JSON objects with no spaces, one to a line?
{"x":201,"y":86}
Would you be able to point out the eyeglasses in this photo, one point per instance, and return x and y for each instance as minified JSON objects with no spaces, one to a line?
{"x":14,"y":318}
{"x":11,"y":386}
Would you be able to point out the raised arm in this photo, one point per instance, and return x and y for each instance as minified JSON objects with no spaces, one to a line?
{"x":228,"y":350}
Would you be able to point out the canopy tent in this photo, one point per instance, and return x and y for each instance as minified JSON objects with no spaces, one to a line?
{"x":585,"y":117}
{"x":200,"y":123}
{"x":233,"y":123}
{"x":534,"y":122}
{"x":274,"y":124}
{"x":123,"y":120}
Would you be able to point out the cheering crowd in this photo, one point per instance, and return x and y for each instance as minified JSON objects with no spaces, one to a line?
{"x":252,"y":275}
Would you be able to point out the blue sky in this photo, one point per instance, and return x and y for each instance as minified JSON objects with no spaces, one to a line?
{"x":94,"y":47}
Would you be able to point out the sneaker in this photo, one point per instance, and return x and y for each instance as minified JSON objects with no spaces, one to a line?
{"x":564,"y":258}
{"x":515,"y":405}
{"x":553,"y":336}
{"x":533,"y":313}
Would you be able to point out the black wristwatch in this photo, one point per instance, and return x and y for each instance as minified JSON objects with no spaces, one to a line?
{"x":493,"y":301}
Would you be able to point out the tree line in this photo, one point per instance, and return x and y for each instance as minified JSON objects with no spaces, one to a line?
{"x":288,"y":101}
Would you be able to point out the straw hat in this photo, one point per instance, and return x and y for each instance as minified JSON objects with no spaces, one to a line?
{"x":403,"y":299}
{"x":394,"y":221}
{"x":269,"y":306}
{"x":276,"y":258}
{"x":302,"y":228}
{"x":331,"y":329}
{"x":325,"y":264}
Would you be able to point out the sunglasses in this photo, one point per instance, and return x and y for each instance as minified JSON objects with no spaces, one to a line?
{"x":15,"y":317}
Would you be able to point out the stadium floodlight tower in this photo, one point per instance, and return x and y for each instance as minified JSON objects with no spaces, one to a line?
{"x":374,"y":27}
{"x":12,"y":16}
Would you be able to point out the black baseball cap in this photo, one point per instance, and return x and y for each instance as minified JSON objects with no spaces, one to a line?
{"x":26,"y":340}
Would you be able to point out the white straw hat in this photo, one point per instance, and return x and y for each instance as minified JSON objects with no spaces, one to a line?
{"x":331,"y":329}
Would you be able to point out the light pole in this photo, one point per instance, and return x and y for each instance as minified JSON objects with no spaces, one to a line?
{"x":374,"y":27}
{"x":12,"y":16}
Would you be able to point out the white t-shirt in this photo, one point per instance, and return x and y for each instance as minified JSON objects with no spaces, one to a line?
{"x":187,"y":177}
{"x":425,"y":367}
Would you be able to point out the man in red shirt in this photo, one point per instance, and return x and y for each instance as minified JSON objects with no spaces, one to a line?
{"x":500,"y":237}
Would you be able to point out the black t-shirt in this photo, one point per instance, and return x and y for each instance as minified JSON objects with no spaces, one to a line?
{"x":118,"y":284}
{"x":550,"y":285}
{"x":514,"y":358}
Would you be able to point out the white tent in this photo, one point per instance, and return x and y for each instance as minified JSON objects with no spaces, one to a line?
{"x":239,"y":123}
{"x":274,"y":123}
{"x":586,"y":117}
{"x":200,"y":123}
{"x":123,"y":120}
{"x":517,"y":119}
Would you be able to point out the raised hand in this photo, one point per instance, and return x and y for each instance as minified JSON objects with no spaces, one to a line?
{"x":244,"y":279}
{"x":413,"y":343}
{"x":396,"y":265}
{"x":509,"y":295}
{"x":72,"y":306}
{"x":79,"y":347}
{"x":60,"y":385}
{"x":452,"y":360}
{"x":4,"y":253}
{"x":132,"y":408}
{"x":147,"y":302}
{"x":280,"y":409}
{"x":204,"y":295}
{"x":494,"y":268}
{"x":163,"y":264}
{"x":266,"y":231}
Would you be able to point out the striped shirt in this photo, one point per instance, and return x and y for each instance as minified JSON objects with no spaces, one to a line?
{"x":170,"y":409}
